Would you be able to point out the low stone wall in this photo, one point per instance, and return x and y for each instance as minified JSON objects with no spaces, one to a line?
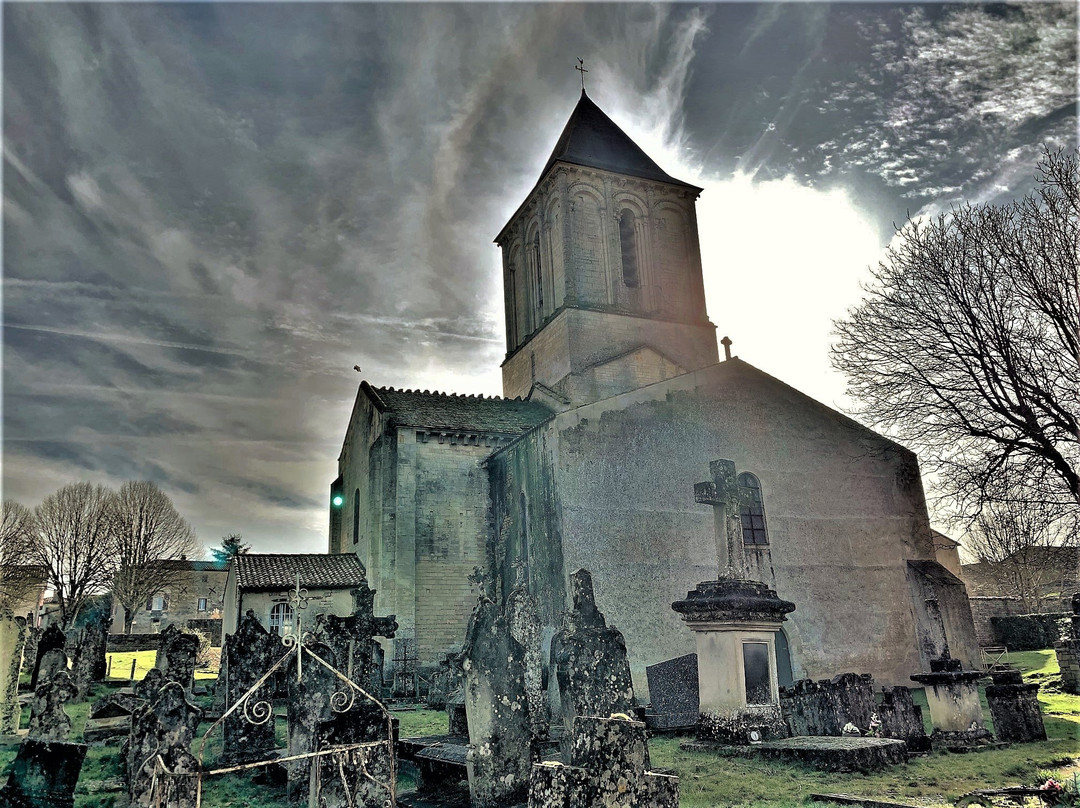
{"x":984,"y":608}
{"x":134,"y":642}
{"x":1069,"y":661}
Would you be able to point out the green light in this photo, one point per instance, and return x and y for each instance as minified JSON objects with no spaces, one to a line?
{"x":338,"y":499}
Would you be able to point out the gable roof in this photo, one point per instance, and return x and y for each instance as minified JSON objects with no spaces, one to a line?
{"x":279,"y":570}
{"x":194,"y":566}
{"x":590,"y":138}
{"x":449,"y":411}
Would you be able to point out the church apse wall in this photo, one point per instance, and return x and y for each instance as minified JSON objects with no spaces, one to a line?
{"x":843,"y":508}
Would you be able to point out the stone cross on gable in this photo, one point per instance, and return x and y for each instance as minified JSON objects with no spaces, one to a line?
{"x":722,"y":493}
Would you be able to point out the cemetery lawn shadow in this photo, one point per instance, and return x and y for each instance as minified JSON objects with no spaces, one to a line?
{"x":119,"y":663}
{"x":938,"y":779}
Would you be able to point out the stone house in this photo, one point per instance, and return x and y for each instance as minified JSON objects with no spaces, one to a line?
{"x":266,"y":584}
{"x":193,"y":599}
{"x":617,"y":406}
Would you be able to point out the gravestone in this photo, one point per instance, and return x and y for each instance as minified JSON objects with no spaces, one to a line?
{"x":30,"y":647}
{"x":176,"y":656}
{"x":43,"y":775}
{"x":673,"y":690}
{"x":50,"y":655}
{"x":826,"y":706}
{"x":901,"y":718}
{"x":352,"y":638}
{"x":325,"y":712}
{"x":48,"y":720}
{"x":89,"y":664}
{"x":952,"y":694}
{"x":159,"y":750}
{"x":589,"y":659}
{"x":147,"y":688}
{"x":524,"y":622}
{"x":500,"y":748}
{"x":609,"y":766}
{"x":247,"y":655}
{"x":13,"y":633}
{"x":118,"y":703}
{"x":1015,"y":708}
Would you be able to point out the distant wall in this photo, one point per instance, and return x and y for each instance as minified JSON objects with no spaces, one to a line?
{"x":982,"y":609}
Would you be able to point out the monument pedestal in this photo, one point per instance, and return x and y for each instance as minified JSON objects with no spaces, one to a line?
{"x":735,"y":623}
{"x":953,"y":697}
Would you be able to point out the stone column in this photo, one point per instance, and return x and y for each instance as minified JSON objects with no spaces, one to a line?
{"x":12,"y":636}
{"x":735,"y":623}
{"x":1015,"y":709}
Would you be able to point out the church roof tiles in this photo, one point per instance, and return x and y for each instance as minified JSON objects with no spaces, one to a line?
{"x":449,"y":411}
{"x":279,"y":570}
{"x":590,"y":138}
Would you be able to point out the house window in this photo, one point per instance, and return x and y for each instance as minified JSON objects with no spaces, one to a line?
{"x":356,"y":517}
{"x":202,"y":605}
{"x":752,"y":511}
{"x":156,"y":604}
{"x":628,"y":240}
{"x":281,"y":618}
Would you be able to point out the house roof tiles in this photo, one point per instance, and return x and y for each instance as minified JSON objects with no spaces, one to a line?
{"x":316,"y":570}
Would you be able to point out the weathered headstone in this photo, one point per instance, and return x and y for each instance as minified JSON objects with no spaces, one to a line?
{"x":48,"y":720}
{"x":673,"y":690}
{"x":247,"y":655}
{"x":325,"y":712}
{"x":30,"y":647}
{"x":51,"y":656}
{"x":161,"y":769}
{"x":524,"y":622}
{"x":147,"y":688}
{"x":89,"y":664}
{"x":118,"y":703}
{"x":177,"y":655}
{"x":13,"y":633}
{"x":1015,"y":709}
{"x":589,"y":659}
{"x":609,"y":767}
{"x":352,"y":638}
{"x":902,"y":719}
{"x":497,"y":707}
{"x":43,"y":775}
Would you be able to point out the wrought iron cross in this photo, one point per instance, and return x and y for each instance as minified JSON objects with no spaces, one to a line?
{"x":580,"y":67}
{"x":298,"y":599}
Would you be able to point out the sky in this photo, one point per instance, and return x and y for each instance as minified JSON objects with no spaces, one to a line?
{"x":213,"y":211}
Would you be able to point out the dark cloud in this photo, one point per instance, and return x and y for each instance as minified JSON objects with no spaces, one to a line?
{"x":213,"y":211}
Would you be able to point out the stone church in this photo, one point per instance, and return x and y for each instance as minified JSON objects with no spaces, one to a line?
{"x":625,"y":445}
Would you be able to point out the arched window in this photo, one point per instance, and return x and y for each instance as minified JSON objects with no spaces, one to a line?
{"x":356,"y":517}
{"x":539,"y":272}
{"x":628,"y":239}
{"x":281,"y":619}
{"x":752,"y":511}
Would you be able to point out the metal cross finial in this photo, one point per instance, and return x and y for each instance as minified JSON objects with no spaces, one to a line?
{"x":580,"y":67}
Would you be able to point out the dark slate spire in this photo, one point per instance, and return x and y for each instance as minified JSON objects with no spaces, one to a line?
{"x":590,"y":138}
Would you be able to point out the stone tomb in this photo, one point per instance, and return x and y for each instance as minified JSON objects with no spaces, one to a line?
{"x":44,"y":775}
{"x":673,"y":688}
{"x":13,"y":633}
{"x":609,"y":760}
{"x":497,"y":707}
{"x":735,"y":622}
{"x":89,"y":663}
{"x":901,"y":718}
{"x":48,"y":720}
{"x":1015,"y":709}
{"x":176,"y":656}
{"x":161,"y":736}
{"x":953,"y":696}
{"x":827,"y":706}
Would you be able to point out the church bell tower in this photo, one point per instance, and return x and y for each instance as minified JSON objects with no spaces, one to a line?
{"x":602,"y":272}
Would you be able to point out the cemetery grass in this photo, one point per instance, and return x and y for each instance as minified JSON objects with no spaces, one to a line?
{"x":120,"y":665}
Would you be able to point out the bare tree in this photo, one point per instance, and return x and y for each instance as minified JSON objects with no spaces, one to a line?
{"x":17,"y":577}
{"x":73,"y":545}
{"x":1021,"y":545}
{"x":967,"y":345}
{"x":147,"y":534}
